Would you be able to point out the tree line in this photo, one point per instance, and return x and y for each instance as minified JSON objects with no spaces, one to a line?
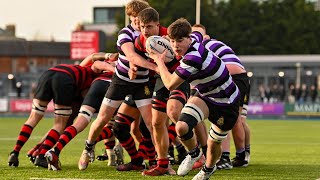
{"x":251,"y":27}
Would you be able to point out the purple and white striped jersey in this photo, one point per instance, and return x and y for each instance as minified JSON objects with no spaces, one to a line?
{"x":128,"y":34}
{"x":208,"y":74}
{"x":223,"y":51}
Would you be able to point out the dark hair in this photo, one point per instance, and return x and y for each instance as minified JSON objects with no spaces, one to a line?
{"x":148,"y":15}
{"x":179,"y":29}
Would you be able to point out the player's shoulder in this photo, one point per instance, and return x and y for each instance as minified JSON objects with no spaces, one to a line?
{"x":127,"y":30}
{"x":163,"y":31}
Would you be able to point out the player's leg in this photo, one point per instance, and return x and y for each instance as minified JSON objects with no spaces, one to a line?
{"x":238,"y":131}
{"x":222,"y":121}
{"x":63,"y":89}
{"x":43,"y":95}
{"x":195,"y":111}
{"x":127,"y":114}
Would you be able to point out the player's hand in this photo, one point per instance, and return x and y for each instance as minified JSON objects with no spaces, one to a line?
{"x":133,"y":72}
{"x":166,"y":37}
{"x":157,"y":57}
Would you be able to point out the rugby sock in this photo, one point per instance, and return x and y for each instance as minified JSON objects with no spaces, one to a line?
{"x":225,"y":155}
{"x":68,"y":134}
{"x":194,"y":152}
{"x":172,"y":132}
{"x":171,"y":151}
{"x":130,"y":146}
{"x":89,"y":145}
{"x":204,"y":150}
{"x":123,"y":122}
{"x":247,"y":148}
{"x":23,"y":137}
{"x":207,"y":169}
{"x":241,"y":154}
{"x":163,"y":163}
{"x":50,"y":141}
{"x":180,"y":148}
{"x":149,"y":148}
{"x":110,"y":144}
{"x":31,"y":151}
{"x":105,"y":134}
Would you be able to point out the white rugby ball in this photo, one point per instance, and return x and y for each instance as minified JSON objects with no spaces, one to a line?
{"x":159,"y":44}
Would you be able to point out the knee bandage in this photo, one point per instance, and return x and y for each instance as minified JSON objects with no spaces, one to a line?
{"x":67,"y":111}
{"x":244,"y":111}
{"x":38,"y":108}
{"x":194,"y":111}
{"x":216,"y":134}
{"x":191,"y":121}
{"x":86,"y":113}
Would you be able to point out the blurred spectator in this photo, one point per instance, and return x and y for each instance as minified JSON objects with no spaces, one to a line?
{"x":313,"y":93}
{"x":19,"y":89}
{"x":291,"y":94}
{"x":303,"y":94}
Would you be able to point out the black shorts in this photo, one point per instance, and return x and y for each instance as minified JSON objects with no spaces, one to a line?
{"x":119,"y":89}
{"x":96,"y":94}
{"x":224,"y":117}
{"x":243,"y":83}
{"x":56,"y":85}
{"x":129,"y":101}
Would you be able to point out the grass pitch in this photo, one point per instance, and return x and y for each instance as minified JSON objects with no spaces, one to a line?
{"x":280,"y":149}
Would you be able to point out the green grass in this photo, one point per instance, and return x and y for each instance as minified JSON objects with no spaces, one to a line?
{"x":281,"y":149}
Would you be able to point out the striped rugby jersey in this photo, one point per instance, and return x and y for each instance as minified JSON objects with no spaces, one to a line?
{"x":223,"y":51}
{"x":128,"y":34}
{"x":208,"y":74}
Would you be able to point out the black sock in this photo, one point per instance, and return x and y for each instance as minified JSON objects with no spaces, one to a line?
{"x":204,"y":150}
{"x":247,"y":148}
{"x":206,"y":169}
{"x":225,"y":155}
{"x":194,"y":152}
{"x":171,"y":151}
{"x":180,"y":148}
{"x":88,"y":147}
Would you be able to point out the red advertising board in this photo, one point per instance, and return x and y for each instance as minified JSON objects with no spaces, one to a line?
{"x":83,"y":43}
{"x":25,"y":105}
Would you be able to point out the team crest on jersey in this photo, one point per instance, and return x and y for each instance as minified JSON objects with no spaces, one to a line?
{"x":220,"y":121}
{"x":146,"y":90}
{"x":245,"y":98}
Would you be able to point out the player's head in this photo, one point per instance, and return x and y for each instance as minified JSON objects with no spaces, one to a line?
{"x":201,"y":29}
{"x":133,"y":8}
{"x":149,"y":22}
{"x":179,"y":34}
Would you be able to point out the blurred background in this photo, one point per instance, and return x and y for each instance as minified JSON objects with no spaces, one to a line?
{"x":278,"y":42}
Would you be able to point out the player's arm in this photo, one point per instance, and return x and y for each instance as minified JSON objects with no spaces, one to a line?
{"x":171,"y":81}
{"x":133,"y":57}
{"x":100,"y":66}
{"x":99,"y":57}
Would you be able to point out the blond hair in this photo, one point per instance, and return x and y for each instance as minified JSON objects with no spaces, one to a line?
{"x":135,"y":6}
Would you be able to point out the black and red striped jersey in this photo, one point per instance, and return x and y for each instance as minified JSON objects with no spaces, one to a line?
{"x":82,"y":76}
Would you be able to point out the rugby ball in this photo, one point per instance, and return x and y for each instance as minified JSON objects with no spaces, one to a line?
{"x":159,"y":44}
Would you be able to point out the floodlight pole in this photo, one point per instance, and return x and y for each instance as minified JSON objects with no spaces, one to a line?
{"x":198,"y":2}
